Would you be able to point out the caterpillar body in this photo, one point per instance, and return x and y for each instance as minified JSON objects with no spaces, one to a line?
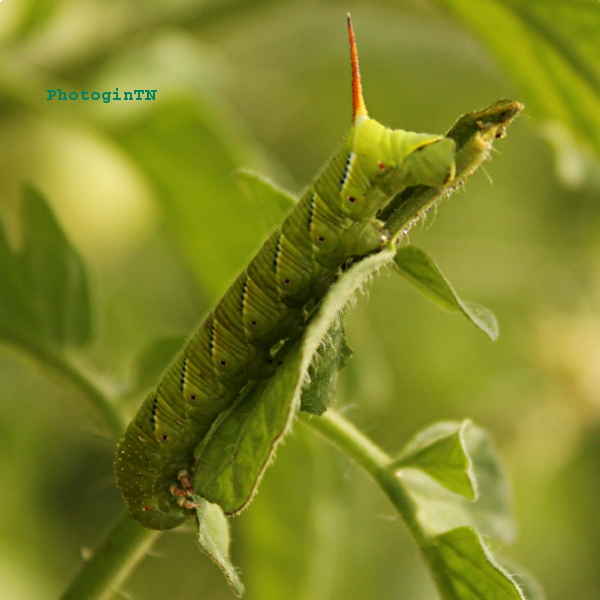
{"x":334,"y":220}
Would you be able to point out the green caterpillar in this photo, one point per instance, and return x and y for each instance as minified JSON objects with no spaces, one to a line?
{"x":334,"y":221}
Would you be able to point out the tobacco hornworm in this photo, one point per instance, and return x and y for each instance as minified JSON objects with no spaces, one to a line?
{"x":334,"y":221}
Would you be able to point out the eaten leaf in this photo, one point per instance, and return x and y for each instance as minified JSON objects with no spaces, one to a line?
{"x":331,"y":357}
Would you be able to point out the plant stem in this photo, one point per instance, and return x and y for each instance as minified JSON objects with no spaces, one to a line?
{"x":118,"y":555}
{"x":127,"y":542}
{"x":346,"y":437}
{"x":105,"y":407}
{"x":73,"y":374}
{"x":473,"y":133}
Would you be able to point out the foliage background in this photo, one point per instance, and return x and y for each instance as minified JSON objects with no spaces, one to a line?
{"x":145,"y":193}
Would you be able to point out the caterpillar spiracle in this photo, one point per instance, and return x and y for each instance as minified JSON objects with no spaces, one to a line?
{"x":334,"y":220}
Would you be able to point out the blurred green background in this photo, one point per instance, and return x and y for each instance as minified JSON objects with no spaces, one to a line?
{"x":144,"y":190}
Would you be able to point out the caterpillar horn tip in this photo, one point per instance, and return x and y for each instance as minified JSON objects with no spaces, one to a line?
{"x":358,"y":102}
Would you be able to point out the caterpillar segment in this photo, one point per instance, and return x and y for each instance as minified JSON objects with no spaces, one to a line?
{"x":334,"y":220}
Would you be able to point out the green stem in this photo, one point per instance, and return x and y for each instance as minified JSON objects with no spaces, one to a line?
{"x":127,"y":543}
{"x":113,"y":418}
{"x":473,"y":134}
{"x":346,"y":437}
{"x":75,"y":376}
{"x":118,"y":555}
{"x":355,"y":444}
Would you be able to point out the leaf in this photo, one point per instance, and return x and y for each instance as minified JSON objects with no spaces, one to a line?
{"x":271,"y":202}
{"x":530,"y":587}
{"x":440,"y":509}
{"x":214,"y":538}
{"x":44,"y":299}
{"x":331,"y":357}
{"x":465,"y":569}
{"x":418,"y":268}
{"x":550,"y":49}
{"x":233,"y":457}
{"x":441,"y":452}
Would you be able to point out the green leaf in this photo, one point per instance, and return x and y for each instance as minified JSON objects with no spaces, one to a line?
{"x":232,"y":458}
{"x":331,"y":357}
{"x":465,"y":569}
{"x":441,"y":452}
{"x":440,"y":509}
{"x":44,"y":299}
{"x":550,"y":49}
{"x":530,"y":586}
{"x":418,"y":268}
{"x":214,"y":538}
{"x":272,"y":203}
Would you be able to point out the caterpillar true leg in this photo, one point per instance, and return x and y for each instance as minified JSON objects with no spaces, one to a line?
{"x":182,"y":493}
{"x":187,"y":503}
{"x":184,"y":479}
